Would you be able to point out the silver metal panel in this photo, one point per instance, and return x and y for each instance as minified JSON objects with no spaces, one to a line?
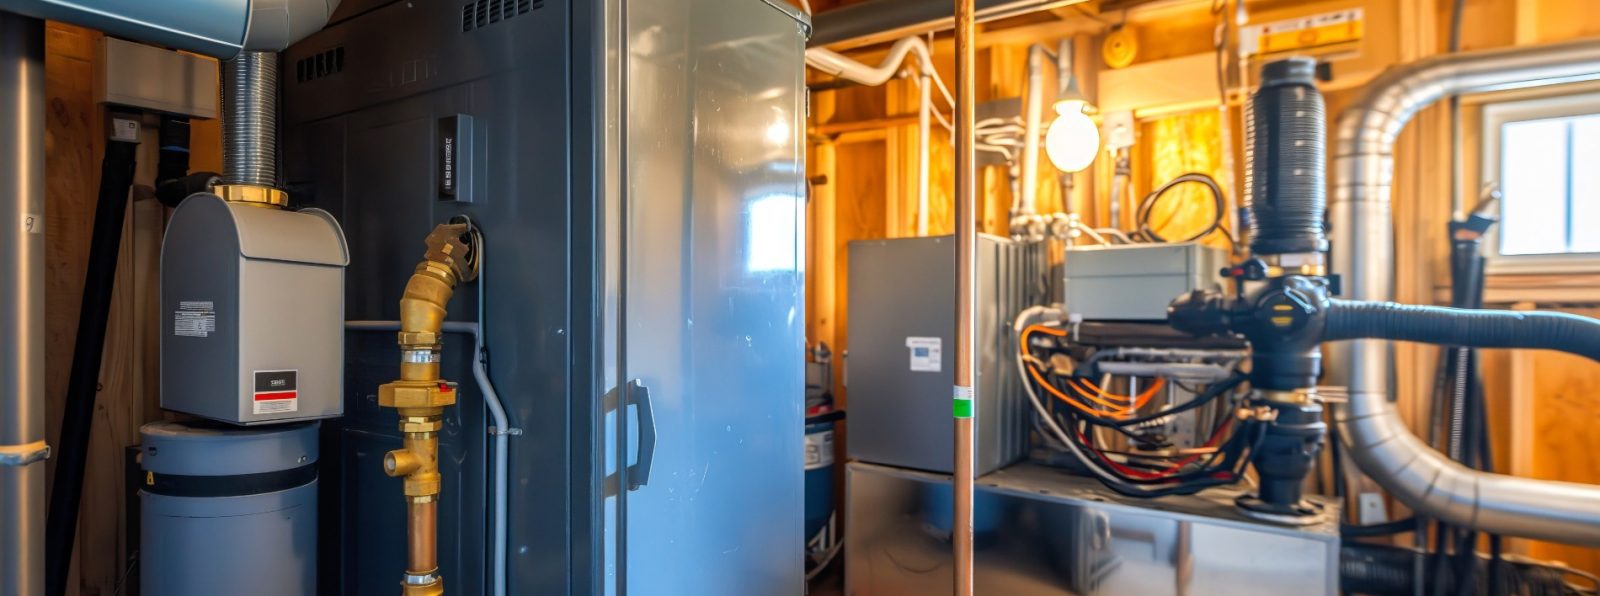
{"x":1136,"y":282}
{"x":900,"y":409}
{"x":22,"y":210}
{"x":713,"y":321}
{"x":142,"y":76}
{"x":273,"y":285}
{"x":1042,"y":531}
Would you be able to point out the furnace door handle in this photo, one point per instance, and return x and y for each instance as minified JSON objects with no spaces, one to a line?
{"x":639,"y":396}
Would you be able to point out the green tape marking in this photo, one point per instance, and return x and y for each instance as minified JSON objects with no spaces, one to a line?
{"x":961,"y":406}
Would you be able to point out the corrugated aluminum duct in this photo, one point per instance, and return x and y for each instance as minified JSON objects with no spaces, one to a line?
{"x":1363,"y":240}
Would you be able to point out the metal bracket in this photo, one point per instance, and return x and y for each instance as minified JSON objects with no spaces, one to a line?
{"x":16,"y":456}
{"x":495,"y":431}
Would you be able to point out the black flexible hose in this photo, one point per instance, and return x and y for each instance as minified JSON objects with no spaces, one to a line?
{"x":1285,"y":147}
{"x":1352,"y":319}
{"x":71,"y":455}
{"x":1399,"y":526}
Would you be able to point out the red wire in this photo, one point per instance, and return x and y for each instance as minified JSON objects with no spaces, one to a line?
{"x":1163,"y":473}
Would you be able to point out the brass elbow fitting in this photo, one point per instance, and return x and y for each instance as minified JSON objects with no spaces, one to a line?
{"x":420,"y":396}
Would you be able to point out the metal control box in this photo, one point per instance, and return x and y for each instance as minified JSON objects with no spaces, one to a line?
{"x":900,"y":367}
{"x":1136,"y":282}
{"x":252,"y":312}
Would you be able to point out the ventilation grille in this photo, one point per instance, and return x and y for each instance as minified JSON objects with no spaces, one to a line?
{"x":482,"y":13}
{"x":311,"y":68}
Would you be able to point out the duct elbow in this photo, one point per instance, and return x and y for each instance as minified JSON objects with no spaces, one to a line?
{"x":1438,"y":488}
{"x":276,"y":24}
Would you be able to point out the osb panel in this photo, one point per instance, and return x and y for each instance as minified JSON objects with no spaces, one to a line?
{"x":1182,"y":144}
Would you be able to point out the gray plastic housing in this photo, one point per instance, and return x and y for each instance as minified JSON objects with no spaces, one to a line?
{"x":252,"y":312}
{"x":255,"y":543}
{"x":1136,"y":282}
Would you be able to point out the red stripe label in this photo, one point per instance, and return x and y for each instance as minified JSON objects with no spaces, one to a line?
{"x":275,"y":396}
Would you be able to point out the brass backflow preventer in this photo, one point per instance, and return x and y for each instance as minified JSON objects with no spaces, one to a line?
{"x":421,"y":396}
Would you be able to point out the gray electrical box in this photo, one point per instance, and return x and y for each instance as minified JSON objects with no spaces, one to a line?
{"x":252,"y":312}
{"x":1136,"y":282}
{"x":900,"y":370}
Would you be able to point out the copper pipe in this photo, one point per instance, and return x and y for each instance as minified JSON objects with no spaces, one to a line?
{"x":422,"y":525}
{"x":966,"y":273}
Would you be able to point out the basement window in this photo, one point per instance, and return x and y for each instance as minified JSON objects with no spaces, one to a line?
{"x":1544,"y":155}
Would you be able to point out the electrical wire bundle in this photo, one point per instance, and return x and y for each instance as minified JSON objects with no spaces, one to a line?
{"x":1090,"y":409}
{"x":1147,"y":230}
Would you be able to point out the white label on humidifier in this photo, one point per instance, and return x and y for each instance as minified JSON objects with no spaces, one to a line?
{"x":277,"y":392}
{"x":819,"y":450}
{"x":926,"y":353}
{"x":194,"y":318}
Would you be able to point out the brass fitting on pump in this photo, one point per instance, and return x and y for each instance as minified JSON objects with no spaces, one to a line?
{"x":421,"y":396}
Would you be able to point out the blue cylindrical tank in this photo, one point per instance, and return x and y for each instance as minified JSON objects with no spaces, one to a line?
{"x":228,"y":510}
{"x":819,"y":476}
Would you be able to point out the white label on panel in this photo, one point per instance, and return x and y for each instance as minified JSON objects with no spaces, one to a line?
{"x":926,"y":353}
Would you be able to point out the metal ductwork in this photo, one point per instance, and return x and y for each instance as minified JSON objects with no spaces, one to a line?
{"x":879,"y":21}
{"x":1363,"y":239}
{"x":220,"y":29}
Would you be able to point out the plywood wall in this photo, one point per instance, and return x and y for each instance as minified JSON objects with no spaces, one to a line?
{"x":127,"y":394}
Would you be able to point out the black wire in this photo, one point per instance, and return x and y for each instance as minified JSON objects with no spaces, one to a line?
{"x":1388,"y":528}
{"x":1147,"y":206}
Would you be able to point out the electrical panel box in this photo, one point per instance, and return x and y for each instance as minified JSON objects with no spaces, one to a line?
{"x":900,"y":368}
{"x":1136,"y":282}
{"x":252,"y":312}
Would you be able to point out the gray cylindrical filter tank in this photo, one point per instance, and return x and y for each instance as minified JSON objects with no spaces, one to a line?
{"x":229,"y":510}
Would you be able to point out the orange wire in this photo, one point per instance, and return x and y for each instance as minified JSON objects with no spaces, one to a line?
{"x":1120,"y":410}
{"x":1071,"y":402}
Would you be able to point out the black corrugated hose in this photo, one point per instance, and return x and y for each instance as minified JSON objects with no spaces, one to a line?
{"x":1285,"y":145}
{"x":71,"y":455}
{"x":1352,"y":319}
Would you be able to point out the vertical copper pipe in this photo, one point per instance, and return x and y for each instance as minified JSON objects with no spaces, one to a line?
{"x":966,"y":273}
{"x":422,"y":557}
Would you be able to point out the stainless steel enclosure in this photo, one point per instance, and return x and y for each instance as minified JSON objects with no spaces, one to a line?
{"x":1042,"y":531}
{"x":712,"y":324}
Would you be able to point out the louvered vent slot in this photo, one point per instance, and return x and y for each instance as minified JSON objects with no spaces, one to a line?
{"x":479,"y":14}
{"x":320,"y":65}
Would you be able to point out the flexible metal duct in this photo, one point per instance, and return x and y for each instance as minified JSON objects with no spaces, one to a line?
{"x":1363,"y":240}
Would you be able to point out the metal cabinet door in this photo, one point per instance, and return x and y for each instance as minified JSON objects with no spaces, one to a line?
{"x":711,"y":221}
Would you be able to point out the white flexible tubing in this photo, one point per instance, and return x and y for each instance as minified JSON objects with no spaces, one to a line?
{"x":839,"y":65}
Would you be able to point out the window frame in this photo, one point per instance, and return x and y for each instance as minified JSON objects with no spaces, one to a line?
{"x":1495,"y":114}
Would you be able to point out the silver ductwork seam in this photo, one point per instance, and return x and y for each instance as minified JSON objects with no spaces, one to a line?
{"x":1362,"y":232}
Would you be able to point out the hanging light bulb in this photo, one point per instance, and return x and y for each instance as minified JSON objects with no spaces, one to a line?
{"x":1073,"y":140}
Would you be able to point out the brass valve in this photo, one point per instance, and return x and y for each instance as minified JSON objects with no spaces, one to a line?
{"x":421,"y":396}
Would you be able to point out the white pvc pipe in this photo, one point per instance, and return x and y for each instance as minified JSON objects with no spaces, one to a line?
{"x":842,"y":66}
